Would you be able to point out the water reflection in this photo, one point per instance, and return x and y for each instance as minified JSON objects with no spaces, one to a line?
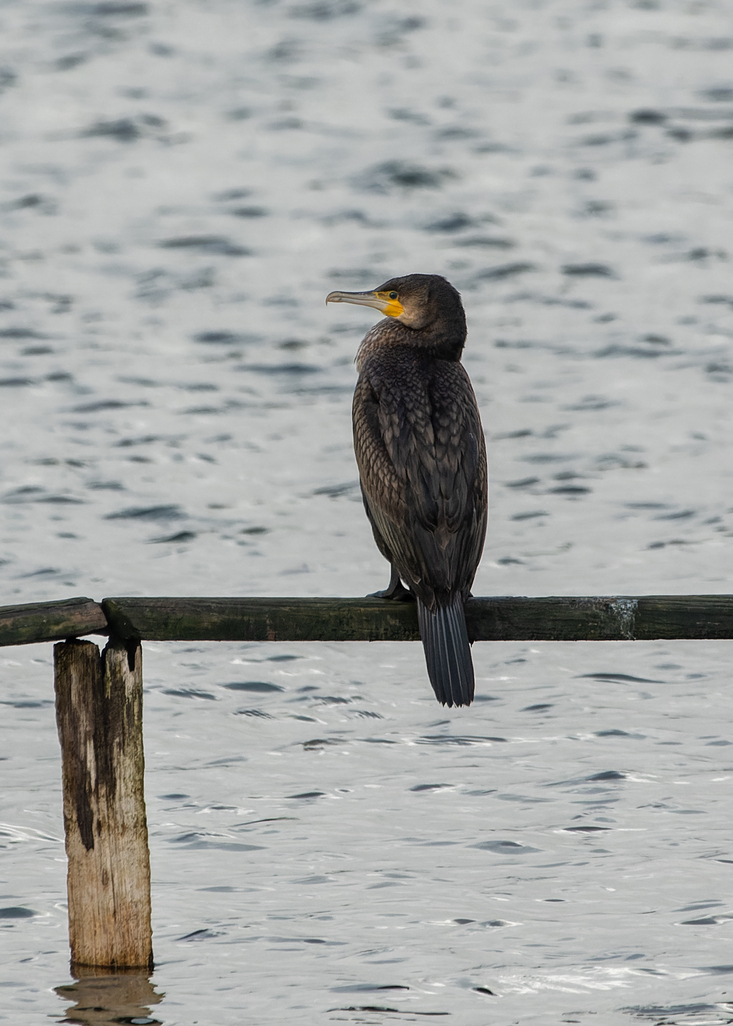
{"x":109,"y":996}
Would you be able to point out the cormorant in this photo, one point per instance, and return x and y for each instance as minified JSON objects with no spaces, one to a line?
{"x":422,"y":463}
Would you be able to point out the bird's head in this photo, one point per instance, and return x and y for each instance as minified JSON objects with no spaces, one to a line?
{"x":419,"y":301}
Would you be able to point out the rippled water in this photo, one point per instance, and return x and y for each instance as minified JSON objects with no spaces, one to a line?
{"x":181,"y":186}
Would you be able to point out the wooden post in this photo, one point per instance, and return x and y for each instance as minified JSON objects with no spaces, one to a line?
{"x":99,"y":716}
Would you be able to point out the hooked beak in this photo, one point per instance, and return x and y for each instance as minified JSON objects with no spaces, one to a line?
{"x":379,"y":300}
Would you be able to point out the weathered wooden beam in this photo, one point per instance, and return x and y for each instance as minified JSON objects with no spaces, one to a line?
{"x":50,"y":621}
{"x":262,"y":619}
{"x":604,"y":618}
{"x":99,"y":716}
{"x":566,"y":618}
{"x":366,"y":619}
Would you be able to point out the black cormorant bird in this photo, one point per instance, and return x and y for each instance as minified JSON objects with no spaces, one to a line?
{"x":422,"y":463}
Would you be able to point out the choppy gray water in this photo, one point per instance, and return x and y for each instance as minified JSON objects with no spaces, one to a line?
{"x":181,"y":185}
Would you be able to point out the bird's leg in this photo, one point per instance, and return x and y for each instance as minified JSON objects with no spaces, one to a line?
{"x":396,"y":590}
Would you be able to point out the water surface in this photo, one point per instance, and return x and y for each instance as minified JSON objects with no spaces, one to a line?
{"x":181,"y":186}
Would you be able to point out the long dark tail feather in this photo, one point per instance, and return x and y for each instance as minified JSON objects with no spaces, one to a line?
{"x":447,"y":651}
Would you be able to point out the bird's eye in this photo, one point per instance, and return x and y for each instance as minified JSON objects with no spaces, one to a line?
{"x":393,"y":295}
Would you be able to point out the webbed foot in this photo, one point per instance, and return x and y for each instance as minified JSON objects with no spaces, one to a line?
{"x":396,"y":591}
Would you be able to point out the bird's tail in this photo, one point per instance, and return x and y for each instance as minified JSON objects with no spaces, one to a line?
{"x":447,"y":651}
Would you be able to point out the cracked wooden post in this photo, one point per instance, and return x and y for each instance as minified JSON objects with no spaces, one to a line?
{"x":99,"y":716}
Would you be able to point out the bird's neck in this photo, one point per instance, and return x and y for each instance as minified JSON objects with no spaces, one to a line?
{"x":437,"y":342}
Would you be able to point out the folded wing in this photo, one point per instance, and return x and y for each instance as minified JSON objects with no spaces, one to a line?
{"x":422,"y":463}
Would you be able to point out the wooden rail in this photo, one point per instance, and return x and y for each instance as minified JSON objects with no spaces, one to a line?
{"x":51,"y":621}
{"x":99,"y":708}
{"x":570,"y":618}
